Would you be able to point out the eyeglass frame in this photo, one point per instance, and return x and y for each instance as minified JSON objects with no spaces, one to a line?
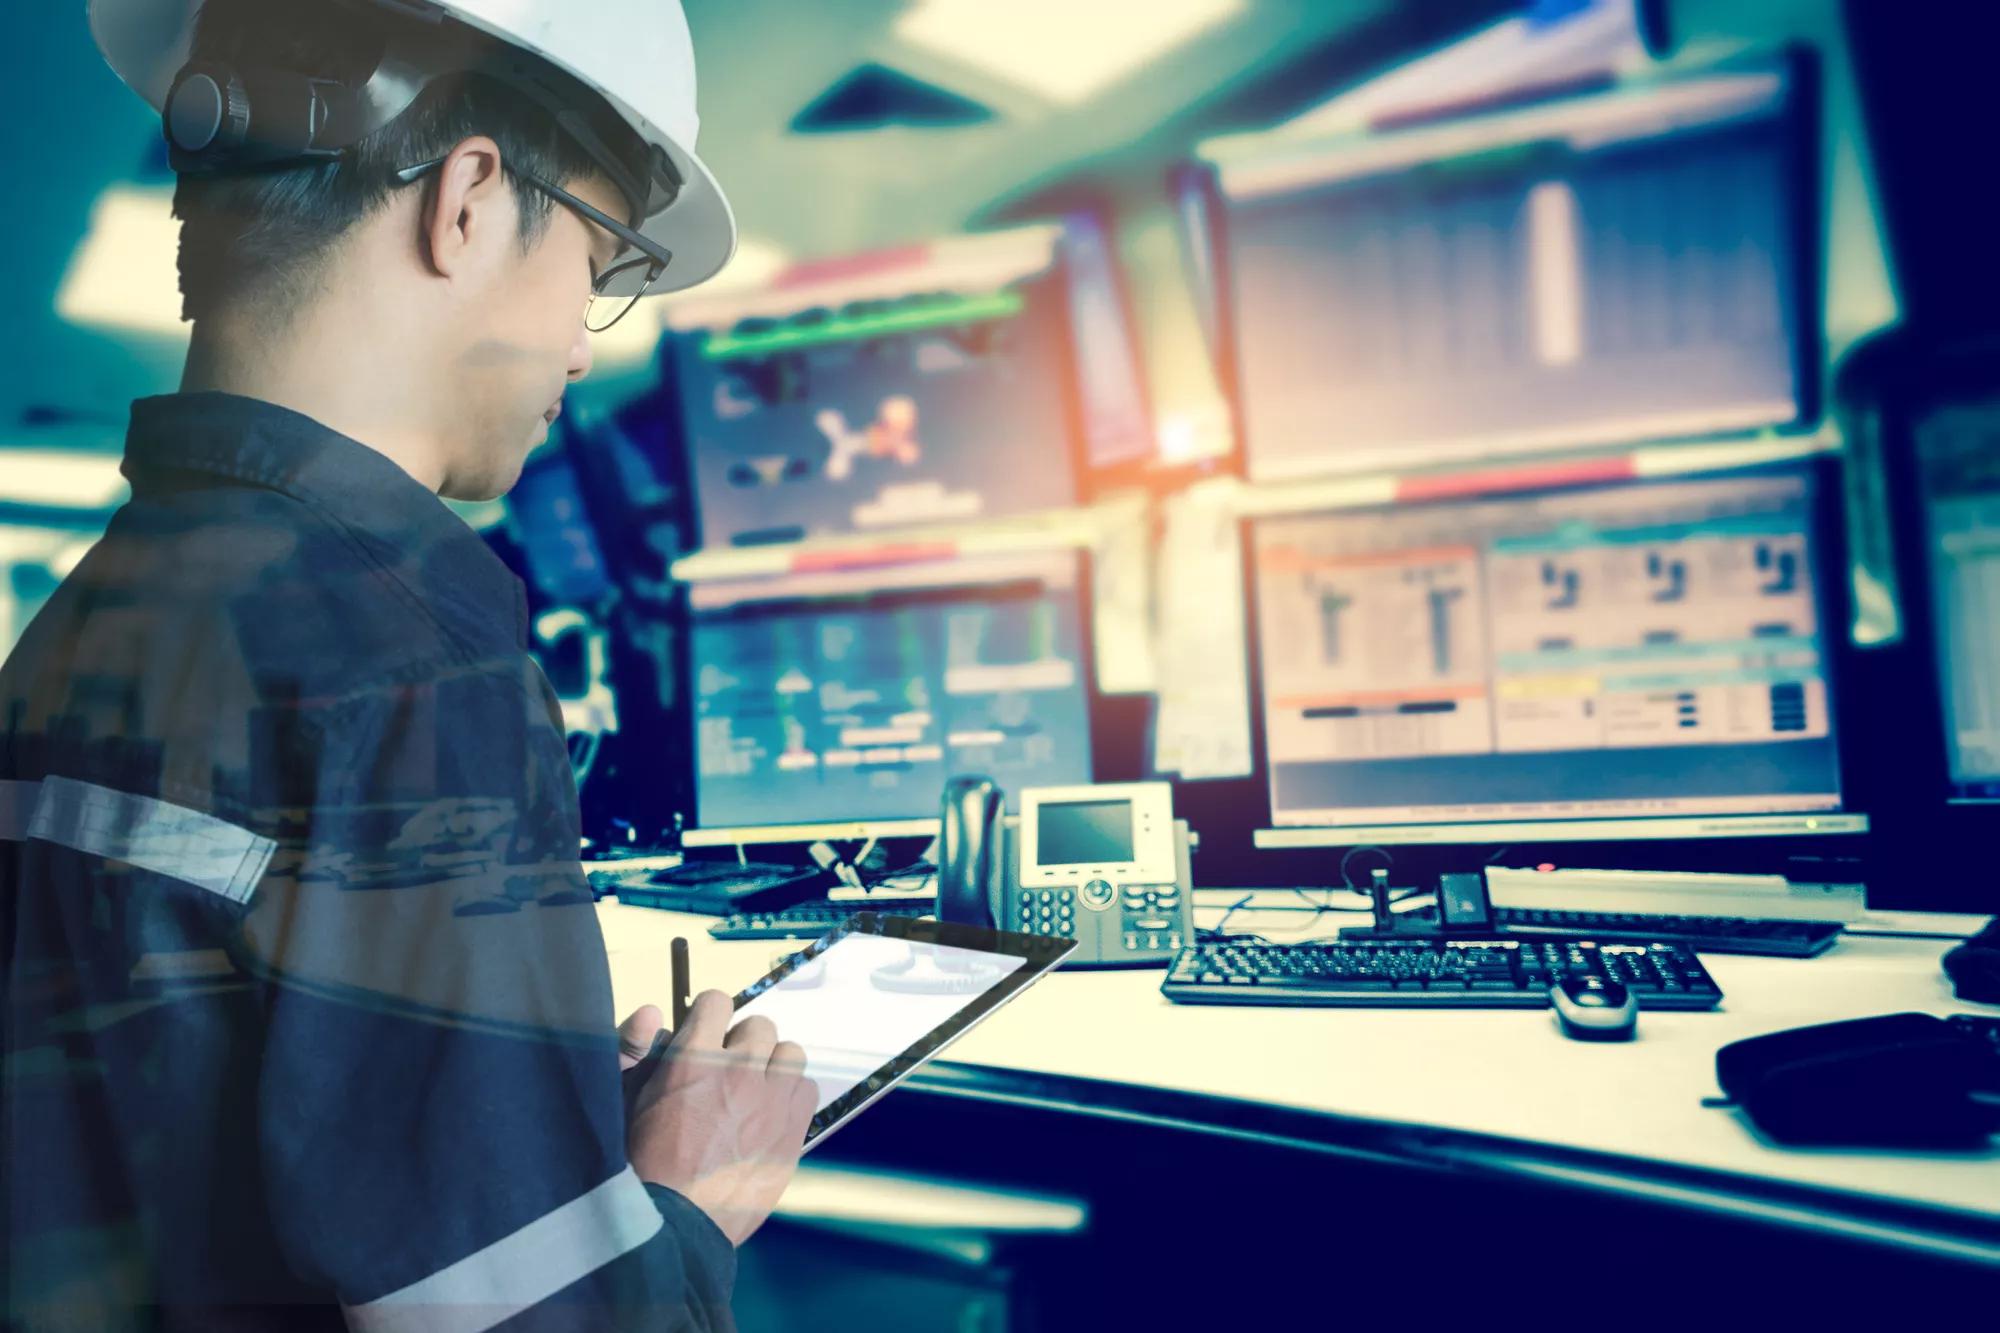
{"x":653,"y":255}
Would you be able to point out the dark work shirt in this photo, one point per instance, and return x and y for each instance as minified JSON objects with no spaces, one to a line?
{"x":307,"y":1014}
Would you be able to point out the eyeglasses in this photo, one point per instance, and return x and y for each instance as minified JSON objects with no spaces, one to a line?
{"x":616,"y":290}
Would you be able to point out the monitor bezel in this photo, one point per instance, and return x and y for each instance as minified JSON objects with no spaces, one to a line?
{"x":695,"y":834}
{"x":1770,"y":827}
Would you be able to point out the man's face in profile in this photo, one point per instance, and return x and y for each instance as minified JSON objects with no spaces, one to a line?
{"x":526,"y":342}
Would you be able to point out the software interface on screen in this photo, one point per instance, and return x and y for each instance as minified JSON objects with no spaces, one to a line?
{"x":870,"y":998}
{"x":1635,"y":650}
{"x":561,"y":547}
{"x":1075,"y":833}
{"x":842,"y":701}
{"x":1619,"y":268}
{"x":1959,"y":453}
{"x":933,"y":408}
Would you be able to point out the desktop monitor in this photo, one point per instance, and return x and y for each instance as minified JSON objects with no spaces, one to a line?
{"x":837,"y":704}
{"x":1958,"y":472}
{"x":549,"y":521}
{"x":1627,"y":265}
{"x":848,"y":409}
{"x":1111,"y":389}
{"x":1640,"y":660}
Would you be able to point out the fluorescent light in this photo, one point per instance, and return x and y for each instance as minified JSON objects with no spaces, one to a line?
{"x":1065,"y":50}
{"x":48,"y":479}
{"x":125,"y":275}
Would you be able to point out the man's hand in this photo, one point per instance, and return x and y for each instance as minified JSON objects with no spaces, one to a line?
{"x":637,"y":1034}
{"x":723,"y":1118}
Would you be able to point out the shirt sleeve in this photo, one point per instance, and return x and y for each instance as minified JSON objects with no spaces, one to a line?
{"x":441,"y":1120}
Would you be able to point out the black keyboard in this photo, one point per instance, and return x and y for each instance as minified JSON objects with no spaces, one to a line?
{"x":809,"y":921}
{"x":1480,"y":974}
{"x":1710,"y":934}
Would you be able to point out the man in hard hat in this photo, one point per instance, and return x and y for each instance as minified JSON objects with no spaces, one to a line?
{"x":307,"y":1013}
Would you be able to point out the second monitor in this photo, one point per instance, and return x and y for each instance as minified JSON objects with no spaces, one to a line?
{"x":837,"y":704}
{"x":1536,"y":666}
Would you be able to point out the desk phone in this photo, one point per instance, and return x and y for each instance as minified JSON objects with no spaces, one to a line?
{"x":1104,"y":865}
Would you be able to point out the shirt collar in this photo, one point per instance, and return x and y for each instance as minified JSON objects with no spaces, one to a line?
{"x":406,"y":526}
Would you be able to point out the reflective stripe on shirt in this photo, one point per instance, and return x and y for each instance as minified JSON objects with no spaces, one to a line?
{"x":518,"y":1271}
{"x":143,"y":831}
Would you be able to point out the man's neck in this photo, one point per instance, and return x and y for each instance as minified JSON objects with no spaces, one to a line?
{"x":364,"y":391}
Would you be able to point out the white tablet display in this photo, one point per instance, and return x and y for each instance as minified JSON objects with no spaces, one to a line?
{"x":877,"y":997}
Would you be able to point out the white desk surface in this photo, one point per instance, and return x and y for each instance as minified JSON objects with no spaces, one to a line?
{"x":1498,"y":1072}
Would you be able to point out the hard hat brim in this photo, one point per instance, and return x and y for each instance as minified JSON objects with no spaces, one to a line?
{"x":146,"y":43}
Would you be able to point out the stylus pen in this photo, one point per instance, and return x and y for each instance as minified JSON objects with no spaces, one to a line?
{"x":680,"y":982}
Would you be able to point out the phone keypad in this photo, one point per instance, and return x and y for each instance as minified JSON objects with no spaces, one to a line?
{"x":1049,"y":912}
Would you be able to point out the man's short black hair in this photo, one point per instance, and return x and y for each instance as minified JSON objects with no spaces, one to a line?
{"x":266,"y":233}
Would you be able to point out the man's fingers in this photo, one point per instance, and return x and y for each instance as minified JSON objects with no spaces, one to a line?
{"x":788,"y":1060}
{"x":754,"y":1039}
{"x":805,"y":1103}
{"x":636,"y":1034}
{"x":707,"y":1021}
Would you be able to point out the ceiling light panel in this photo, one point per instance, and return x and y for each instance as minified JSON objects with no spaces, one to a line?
{"x":1064,"y":50}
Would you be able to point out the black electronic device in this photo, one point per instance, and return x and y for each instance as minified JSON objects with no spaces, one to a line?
{"x":718,"y":888}
{"x":1596,"y":267}
{"x":1895,"y":1081}
{"x":971,"y":860}
{"x":1106,"y":865}
{"x":1480,"y":974}
{"x":1462,"y":904}
{"x":878,"y":996}
{"x":835,"y":704}
{"x":810,"y":920}
{"x":550,"y":521}
{"x":1926,"y":416}
{"x":1464,"y":909}
{"x":1974,"y":966}
{"x":931,"y":385}
{"x":1594,"y":1008}
{"x":1634,"y":661}
{"x":218,"y":118}
{"x":1707,"y":934}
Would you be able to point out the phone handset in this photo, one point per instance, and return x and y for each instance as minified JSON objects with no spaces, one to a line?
{"x":969,"y":852}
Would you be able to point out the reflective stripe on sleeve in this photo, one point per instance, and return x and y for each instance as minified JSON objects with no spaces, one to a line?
{"x":152,"y":834}
{"x":17,"y":807}
{"x":523,"y":1269}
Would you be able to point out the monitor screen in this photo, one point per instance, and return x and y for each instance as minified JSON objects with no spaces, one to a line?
{"x":1959,"y":457}
{"x":564,"y":557}
{"x":1117,"y":421}
{"x":1627,"y":651}
{"x":1084,"y":833}
{"x":838,"y":698}
{"x":1597,"y":271}
{"x":934,"y":408}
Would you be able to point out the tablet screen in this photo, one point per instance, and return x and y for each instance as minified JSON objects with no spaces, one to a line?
{"x":869,"y":1003}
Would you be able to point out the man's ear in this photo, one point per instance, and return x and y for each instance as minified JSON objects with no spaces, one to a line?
{"x":470,"y":208}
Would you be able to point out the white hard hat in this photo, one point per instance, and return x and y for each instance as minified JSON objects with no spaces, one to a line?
{"x":635,"y":54}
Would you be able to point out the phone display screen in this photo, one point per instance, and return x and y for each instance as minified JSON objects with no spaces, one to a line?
{"x":1085,"y":833}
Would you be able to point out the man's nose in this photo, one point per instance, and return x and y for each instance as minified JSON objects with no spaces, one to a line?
{"x":579,"y":354}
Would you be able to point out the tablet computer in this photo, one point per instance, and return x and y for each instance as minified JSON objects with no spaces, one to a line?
{"x":876,"y":997}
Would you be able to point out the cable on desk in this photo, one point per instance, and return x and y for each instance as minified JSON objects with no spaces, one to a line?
{"x":1219,"y":932}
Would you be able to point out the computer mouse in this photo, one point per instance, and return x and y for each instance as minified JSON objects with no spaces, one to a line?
{"x":1594,"y":1009}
